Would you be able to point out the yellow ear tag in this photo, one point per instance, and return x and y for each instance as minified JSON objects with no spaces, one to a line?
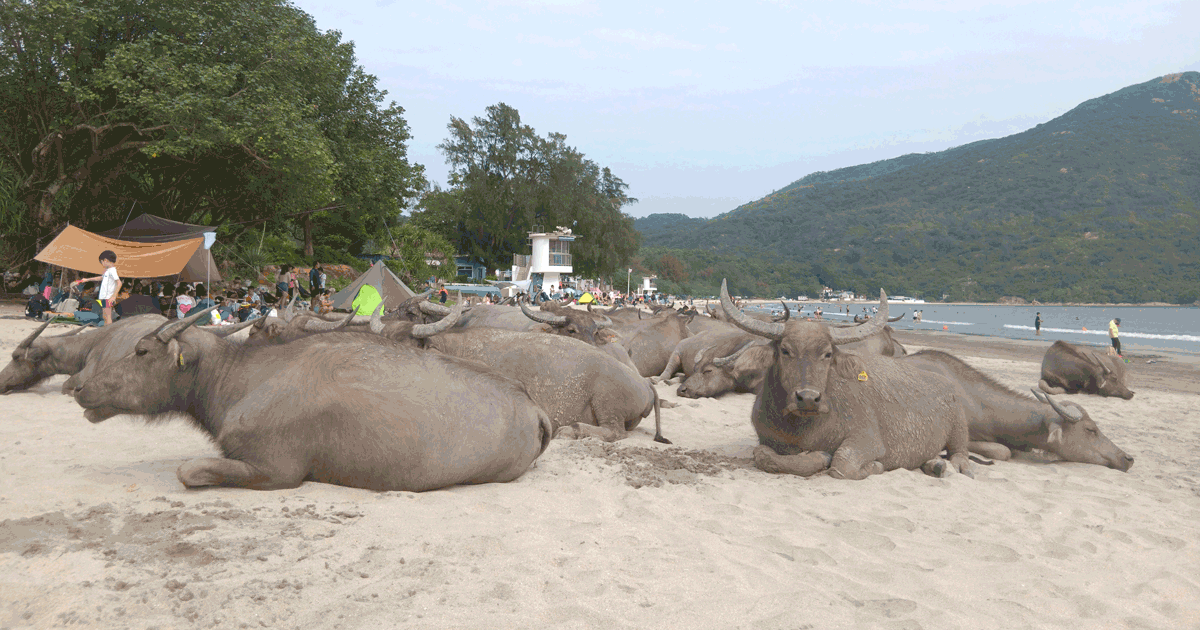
{"x":181,"y":365}
{"x":862,"y":376}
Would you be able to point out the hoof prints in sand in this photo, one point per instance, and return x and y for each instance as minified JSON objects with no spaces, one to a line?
{"x":653,"y":467}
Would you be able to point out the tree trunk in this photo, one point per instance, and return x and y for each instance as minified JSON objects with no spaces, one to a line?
{"x":308,"y":240}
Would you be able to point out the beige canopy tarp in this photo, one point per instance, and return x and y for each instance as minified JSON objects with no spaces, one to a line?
{"x":79,"y":249}
{"x":148,"y":228}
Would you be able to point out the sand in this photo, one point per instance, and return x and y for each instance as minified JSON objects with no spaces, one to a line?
{"x":96,"y":531}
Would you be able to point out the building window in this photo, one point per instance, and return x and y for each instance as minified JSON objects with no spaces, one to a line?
{"x":560,"y":247}
{"x":465,"y":270}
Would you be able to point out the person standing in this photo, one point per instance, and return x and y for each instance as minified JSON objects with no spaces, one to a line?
{"x":1113,"y":332}
{"x":316,"y":279}
{"x":1037,"y":324}
{"x":110,"y":284}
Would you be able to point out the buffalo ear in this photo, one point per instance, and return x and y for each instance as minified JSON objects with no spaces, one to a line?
{"x":1056,"y":433}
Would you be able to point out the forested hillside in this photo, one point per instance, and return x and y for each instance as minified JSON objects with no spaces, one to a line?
{"x":1097,"y":205}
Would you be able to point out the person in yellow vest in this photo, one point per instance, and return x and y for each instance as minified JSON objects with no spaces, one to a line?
{"x":1113,"y":331}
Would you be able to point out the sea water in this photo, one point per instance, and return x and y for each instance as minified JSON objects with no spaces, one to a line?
{"x":1143,"y":328}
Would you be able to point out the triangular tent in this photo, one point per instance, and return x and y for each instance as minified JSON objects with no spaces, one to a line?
{"x":587,"y":298}
{"x":148,"y":228}
{"x":390,"y":288}
{"x":78,"y":249}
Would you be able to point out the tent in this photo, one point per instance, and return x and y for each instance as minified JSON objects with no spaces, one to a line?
{"x":78,"y":249}
{"x":587,"y":298}
{"x":392,"y":290}
{"x":148,"y":228}
{"x":366,"y":301}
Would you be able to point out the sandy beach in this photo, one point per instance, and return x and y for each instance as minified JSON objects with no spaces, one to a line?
{"x":97,"y":532}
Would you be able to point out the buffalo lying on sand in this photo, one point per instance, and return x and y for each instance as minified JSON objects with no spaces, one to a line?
{"x":367,"y":415}
{"x":585,"y":392}
{"x":1069,"y":369}
{"x":1003,"y":421}
{"x":650,"y":342}
{"x":821,"y":409}
{"x":37,"y":358}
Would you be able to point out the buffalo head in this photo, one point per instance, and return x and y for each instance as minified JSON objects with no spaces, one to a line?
{"x":570,"y":322}
{"x":143,"y":381}
{"x":1078,"y":439}
{"x":1109,"y":373}
{"x":742,"y":370}
{"x":805,"y":353}
{"x":30,"y":364}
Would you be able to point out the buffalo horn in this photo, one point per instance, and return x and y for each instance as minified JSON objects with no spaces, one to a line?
{"x":169,"y":330}
{"x":75,"y":331}
{"x":225,"y":331}
{"x":423,"y":331}
{"x":858,"y":333}
{"x":544,"y":318}
{"x":898,"y":317}
{"x":770,"y":330}
{"x":429,"y":308}
{"x":787,"y":313}
{"x":603,"y":323}
{"x":28,"y":340}
{"x":1070,"y":415}
{"x":377,"y":320}
{"x":721,"y":361}
{"x":288,"y":313}
{"x":313,"y":324}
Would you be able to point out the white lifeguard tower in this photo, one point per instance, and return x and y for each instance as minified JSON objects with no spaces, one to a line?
{"x":647,"y":287}
{"x":549,"y":262}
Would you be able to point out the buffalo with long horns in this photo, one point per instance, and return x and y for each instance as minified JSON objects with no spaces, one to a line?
{"x":371,"y":414}
{"x":821,"y":409}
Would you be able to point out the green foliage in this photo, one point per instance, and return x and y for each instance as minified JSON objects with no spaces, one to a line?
{"x":413,"y":247}
{"x":230,"y":113}
{"x":1098,"y":205}
{"x":507,"y":180}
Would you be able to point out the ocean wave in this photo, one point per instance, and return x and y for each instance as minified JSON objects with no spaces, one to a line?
{"x":938,"y":321}
{"x":1124,"y":334}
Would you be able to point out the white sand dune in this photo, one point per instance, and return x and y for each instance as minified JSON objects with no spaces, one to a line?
{"x":96,"y":532}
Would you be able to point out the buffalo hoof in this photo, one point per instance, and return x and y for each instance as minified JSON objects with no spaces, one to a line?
{"x":765,"y":459}
{"x":567,"y":433}
{"x":666,"y":404}
{"x":937,"y":467}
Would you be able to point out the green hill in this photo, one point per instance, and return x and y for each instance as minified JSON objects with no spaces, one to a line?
{"x":1097,"y":205}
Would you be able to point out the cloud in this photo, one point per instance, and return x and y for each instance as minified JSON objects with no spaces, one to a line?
{"x":550,"y":42}
{"x":645,"y":41}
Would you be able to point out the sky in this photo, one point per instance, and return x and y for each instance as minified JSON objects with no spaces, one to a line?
{"x":701,"y":107}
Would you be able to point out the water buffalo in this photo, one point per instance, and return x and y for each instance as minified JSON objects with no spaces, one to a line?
{"x":1069,"y":369}
{"x":585,"y":392}
{"x":567,"y":322}
{"x":372,"y":415}
{"x":650,"y":342}
{"x":37,"y":358}
{"x":1003,"y":421}
{"x":735,"y":363}
{"x":821,"y":409}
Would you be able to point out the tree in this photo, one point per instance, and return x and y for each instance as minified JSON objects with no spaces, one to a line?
{"x":505,"y":180}
{"x":231,"y":111}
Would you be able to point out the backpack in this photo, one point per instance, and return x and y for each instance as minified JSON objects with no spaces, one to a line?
{"x":37,"y":305}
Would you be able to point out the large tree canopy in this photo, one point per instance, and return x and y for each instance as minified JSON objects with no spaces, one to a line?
{"x":227,"y":111}
{"x":505,"y":180}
